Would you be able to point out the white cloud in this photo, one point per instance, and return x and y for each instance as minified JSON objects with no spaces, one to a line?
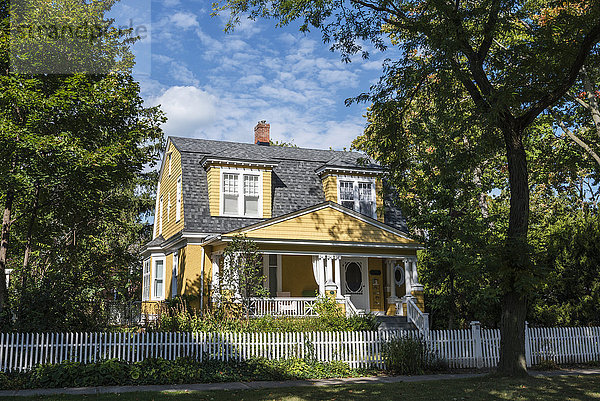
{"x":188,"y":109}
{"x":184,"y":20}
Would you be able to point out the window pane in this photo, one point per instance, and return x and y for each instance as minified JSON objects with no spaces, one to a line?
{"x":272,"y":260}
{"x":158,"y":272}
{"x":366,"y":208}
{"x":230,"y":204}
{"x":273,"y":279}
{"x":348,"y":204}
{"x":364,"y":191}
{"x":346,"y":191}
{"x":251,"y":206}
{"x":230,"y":183}
{"x":158,"y":288}
{"x":251,"y":185}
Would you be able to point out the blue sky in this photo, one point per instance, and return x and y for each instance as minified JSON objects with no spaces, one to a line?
{"x":216,"y":85}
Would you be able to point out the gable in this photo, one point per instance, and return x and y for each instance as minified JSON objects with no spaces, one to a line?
{"x":326,"y":223}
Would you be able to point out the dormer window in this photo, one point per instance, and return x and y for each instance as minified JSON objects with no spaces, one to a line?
{"x":358,"y":194}
{"x":241,"y":193}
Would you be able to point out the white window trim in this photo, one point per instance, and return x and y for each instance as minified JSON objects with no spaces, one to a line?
{"x":170,"y":156}
{"x":153,"y":296}
{"x":175,"y":274}
{"x":241,"y":172}
{"x":178,"y":200}
{"x":146,"y":279}
{"x":355,"y":180}
{"x":156,"y":211}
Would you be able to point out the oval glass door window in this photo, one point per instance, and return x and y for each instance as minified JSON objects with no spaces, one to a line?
{"x":399,"y":275}
{"x":353,"y":278}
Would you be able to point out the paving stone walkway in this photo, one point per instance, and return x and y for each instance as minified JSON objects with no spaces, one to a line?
{"x":270,"y":384}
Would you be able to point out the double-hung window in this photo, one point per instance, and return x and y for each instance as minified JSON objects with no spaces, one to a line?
{"x":146,"y":281}
{"x":159,"y":280}
{"x":241,"y":194}
{"x":231,"y":194}
{"x":359,"y":195}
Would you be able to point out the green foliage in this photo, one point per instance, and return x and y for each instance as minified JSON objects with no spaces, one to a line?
{"x":73,"y":150}
{"x":180,"y":318}
{"x":570,"y":296}
{"x":409,"y":356}
{"x":240,"y":275}
{"x":182,"y":370}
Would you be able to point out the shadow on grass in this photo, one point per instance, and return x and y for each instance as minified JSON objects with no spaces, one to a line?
{"x":573,"y":388}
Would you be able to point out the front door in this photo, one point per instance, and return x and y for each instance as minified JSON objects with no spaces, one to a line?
{"x":354,"y":282}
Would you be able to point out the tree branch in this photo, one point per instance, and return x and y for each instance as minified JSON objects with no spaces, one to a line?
{"x":574,"y":137}
{"x":590,"y":40}
{"x":592,"y":102}
{"x":488,"y":30}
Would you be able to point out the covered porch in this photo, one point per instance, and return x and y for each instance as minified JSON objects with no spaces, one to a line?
{"x":365,"y":265}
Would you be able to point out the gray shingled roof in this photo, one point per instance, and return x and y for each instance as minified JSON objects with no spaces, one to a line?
{"x":295,"y":183}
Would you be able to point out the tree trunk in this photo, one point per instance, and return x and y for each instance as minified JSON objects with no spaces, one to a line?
{"x":8,"y":204}
{"x":514,"y":301}
{"x":34,"y":209}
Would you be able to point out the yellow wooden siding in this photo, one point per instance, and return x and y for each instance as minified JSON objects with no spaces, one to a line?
{"x":379,"y":199}
{"x":330,"y":188}
{"x":297,"y":275}
{"x":213,"y":177}
{"x":168,"y":191}
{"x":267,"y":199}
{"x":190,"y":262}
{"x":376,"y":285}
{"x":327,"y":224}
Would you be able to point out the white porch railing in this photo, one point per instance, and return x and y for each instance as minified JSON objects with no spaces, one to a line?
{"x":288,"y":306}
{"x":350,"y":308}
{"x":417,"y":317}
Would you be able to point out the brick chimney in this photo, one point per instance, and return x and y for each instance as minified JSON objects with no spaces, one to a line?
{"x":261,"y":133}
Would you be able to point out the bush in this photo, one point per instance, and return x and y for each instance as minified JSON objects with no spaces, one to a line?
{"x":179,"y":371}
{"x":177,"y":316}
{"x":409,"y":356}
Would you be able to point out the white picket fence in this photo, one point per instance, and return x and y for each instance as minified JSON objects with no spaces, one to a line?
{"x":470,"y":348}
{"x":21,"y":351}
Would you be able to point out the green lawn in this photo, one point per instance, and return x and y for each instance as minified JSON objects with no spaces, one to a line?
{"x":554,"y":388}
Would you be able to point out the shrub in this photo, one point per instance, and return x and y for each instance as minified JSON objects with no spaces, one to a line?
{"x":409,"y":356}
{"x":177,"y":316}
{"x":179,"y":371}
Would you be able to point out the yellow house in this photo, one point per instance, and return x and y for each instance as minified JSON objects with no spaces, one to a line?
{"x":318,"y":217}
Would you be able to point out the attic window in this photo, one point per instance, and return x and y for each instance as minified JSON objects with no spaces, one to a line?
{"x":358,"y":193}
{"x":241,"y":193}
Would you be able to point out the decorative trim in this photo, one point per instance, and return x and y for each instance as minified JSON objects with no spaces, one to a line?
{"x":329,"y":243}
{"x":348,"y":170}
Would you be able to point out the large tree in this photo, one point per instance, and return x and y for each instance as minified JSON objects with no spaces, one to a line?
{"x":74,"y":140}
{"x":514,"y":59}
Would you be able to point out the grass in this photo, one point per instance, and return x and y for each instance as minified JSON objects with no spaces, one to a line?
{"x":569,"y":388}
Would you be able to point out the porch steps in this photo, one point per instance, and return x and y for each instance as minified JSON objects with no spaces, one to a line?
{"x":394,"y":323}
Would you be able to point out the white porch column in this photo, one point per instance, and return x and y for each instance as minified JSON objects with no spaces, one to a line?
{"x":330,"y":286}
{"x":408,"y":277}
{"x":338,"y":276}
{"x":415,"y":276}
{"x":215,"y":277}
{"x":319,"y":272}
{"x":390,"y":263}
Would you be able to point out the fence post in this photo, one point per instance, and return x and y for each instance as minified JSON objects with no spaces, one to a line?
{"x":527,"y":346}
{"x":477,"y":346}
